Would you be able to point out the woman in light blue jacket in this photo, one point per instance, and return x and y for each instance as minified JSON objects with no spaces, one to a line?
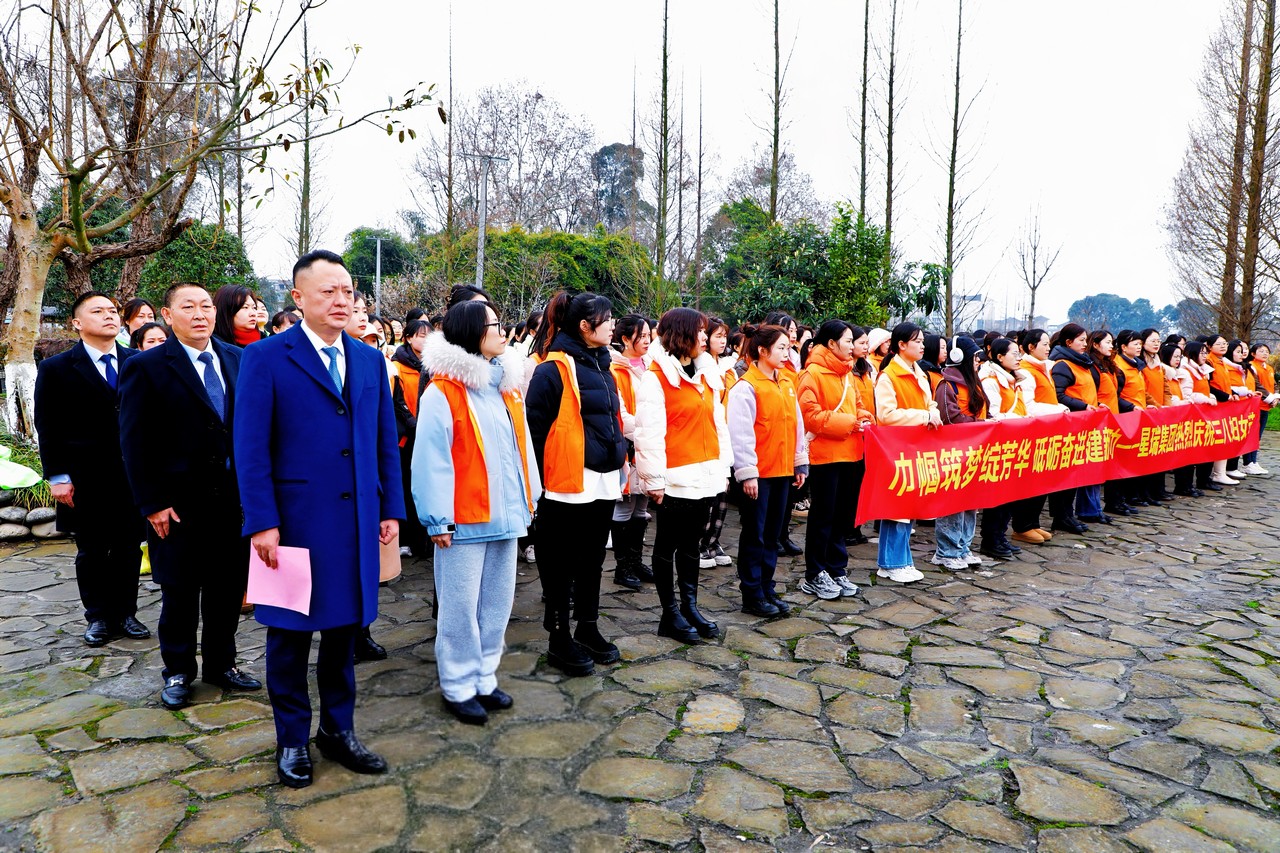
{"x":475,"y":489}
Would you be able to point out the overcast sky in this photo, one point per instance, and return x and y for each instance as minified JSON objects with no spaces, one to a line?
{"x":1083,"y":112}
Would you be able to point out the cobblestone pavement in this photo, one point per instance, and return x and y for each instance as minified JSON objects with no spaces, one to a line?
{"x":1111,"y":692}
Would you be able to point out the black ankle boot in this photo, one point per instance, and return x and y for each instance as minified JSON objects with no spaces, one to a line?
{"x":567,"y":655}
{"x":688,"y":586}
{"x":601,"y":650}
{"x":635,"y":529}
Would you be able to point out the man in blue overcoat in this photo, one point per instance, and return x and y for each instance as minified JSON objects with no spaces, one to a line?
{"x":318,"y":468}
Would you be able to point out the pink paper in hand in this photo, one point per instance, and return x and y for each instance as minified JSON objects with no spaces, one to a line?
{"x":287,"y":586}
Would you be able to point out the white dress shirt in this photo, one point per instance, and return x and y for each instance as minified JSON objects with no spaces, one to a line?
{"x":324,"y":357}
{"x":96,"y":355}
{"x":194,"y":354}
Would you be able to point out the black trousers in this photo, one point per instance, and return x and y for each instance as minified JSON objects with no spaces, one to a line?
{"x":679,"y":533}
{"x":570,"y":543}
{"x":183,"y":606}
{"x":1025,"y":513}
{"x":1062,"y":505}
{"x":412,"y":534}
{"x":107,"y":565}
{"x":287,"y":657}
{"x":833,"y":503}
{"x":763,"y":521}
{"x":995,"y":524}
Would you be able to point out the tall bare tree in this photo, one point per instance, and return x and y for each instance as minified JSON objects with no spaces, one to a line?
{"x":862,"y":134}
{"x":890,"y":115}
{"x":1257,"y":166}
{"x":777,"y":118}
{"x":1035,"y":260}
{"x":664,"y":156}
{"x":1235,"y":198}
{"x":82,"y":106}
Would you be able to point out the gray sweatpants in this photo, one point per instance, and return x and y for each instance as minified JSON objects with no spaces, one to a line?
{"x":475,"y":587}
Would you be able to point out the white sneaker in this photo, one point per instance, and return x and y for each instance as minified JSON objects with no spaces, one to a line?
{"x":1238,"y":474}
{"x":905,"y":574}
{"x":847,"y":587}
{"x":973,"y":559}
{"x":405,"y":552}
{"x":706,"y":560}
{"x":1222,"y":479}
{"x":528,"y":555}
{"x":822,"y":586}
{"x":1255,"y":468}
{"x":608,"y":543}
{"x":721,"y":558}
{"x":955,"y":564}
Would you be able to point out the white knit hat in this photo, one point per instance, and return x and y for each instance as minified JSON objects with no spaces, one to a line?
{"x":876,"y":337}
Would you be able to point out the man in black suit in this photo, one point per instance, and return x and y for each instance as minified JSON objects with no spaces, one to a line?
{"x":77,"y":418}
{"x":176,"y":406}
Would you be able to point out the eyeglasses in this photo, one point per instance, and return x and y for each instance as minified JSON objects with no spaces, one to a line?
{"x":496,"y":323}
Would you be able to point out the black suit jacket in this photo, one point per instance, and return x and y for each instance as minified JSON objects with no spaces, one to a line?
{"x":77,"y":418}
{"x":177,"y":453}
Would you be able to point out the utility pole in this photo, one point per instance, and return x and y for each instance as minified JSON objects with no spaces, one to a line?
{"x":377,"y":276}
{"x":485,"y":160}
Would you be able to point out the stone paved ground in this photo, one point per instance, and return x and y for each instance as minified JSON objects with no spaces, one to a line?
{"x":1111,"y":692}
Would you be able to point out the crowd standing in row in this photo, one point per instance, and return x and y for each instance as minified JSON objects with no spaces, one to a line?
{"x":326,"y":434}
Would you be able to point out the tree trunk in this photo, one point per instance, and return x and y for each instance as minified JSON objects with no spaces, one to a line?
{"x":862,"y":140}
{"x":777,"y":118}
{"x":951,"y":178}
{"x":660,"y":228}
{"x":1253,"y":217}
{"x":131,"y":275}
{"x":1235,"y":198}
{"x":888,"y":158}
{"x":35,"y":253}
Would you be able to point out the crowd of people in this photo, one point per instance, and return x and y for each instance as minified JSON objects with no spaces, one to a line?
{"x":479,"y":443}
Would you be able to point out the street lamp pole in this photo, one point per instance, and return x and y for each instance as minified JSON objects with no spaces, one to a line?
{"x":485,"y":160}
{"x":377,"y":275}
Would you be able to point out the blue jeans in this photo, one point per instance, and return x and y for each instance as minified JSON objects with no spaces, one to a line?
{"x":1089,"y":501}
{"x":954,"y":533}
{"x":1252,"y":456}
{"x":895,"y":544}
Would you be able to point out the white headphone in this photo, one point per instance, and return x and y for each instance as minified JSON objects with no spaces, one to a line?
{"x":956,"y":355}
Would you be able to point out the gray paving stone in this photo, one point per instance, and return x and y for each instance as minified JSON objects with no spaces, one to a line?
{"x":1052,"y":796}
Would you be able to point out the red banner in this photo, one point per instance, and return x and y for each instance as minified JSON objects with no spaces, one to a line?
{"x":917,"y":472}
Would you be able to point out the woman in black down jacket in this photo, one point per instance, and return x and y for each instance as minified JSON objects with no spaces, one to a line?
{"x":574,"y":421}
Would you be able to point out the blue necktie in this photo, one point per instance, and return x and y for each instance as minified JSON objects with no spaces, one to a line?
{"x":212,"y":386}
{"x":111,"y":374}
{"x":332,"y":352}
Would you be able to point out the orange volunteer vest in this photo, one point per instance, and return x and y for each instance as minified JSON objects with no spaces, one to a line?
{"x":1045,"y":390}
{"x":1135,"y":384}
{"x":470,"y":474}
{"x":691,"y":422}
{"x":775,"y":425}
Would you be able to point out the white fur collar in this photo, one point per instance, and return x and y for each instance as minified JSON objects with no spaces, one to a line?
{"x":704,"y":366}
{"x":446,"y":359}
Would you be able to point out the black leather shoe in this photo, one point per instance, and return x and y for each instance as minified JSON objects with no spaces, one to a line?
{"x":1121,"y":509}
{"x":1164,"y":496}
{"x":1185,"y":493}
{"x":233,"y":679}
{"x":854,"y":539}
{"x":293,"y":766}
{"x":346,"y":749}
{"x":495,"y":701}
{"x":367,"y":649}
{"x":1009,"y":546}
{"x":470,"y":712}
{"x":1101,"y":518}
{"x":784,"y":609}
{"x":134,"y":630}
{"x":1196,"y":493}
{"x":788,"y":548}
{"x":996,"y":552}
{"x":643,"y":572}
{"x":177,"y":692}
{"x":761,"y":607}
{"x":1070,"y":525}
{"x":1212,"y":487}
{"x":97,"y":634}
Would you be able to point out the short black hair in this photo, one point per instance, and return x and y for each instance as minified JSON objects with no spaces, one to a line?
{"x":132,"y":307}
{"x":282,"y":320}
{"x":173,"y":289}
{"x":85,"y":297}
{"x":460,"y":293}
{"x":135,"y":340}
{"x":465,"y":324}
{"x":412,"y":328}
{"x":415,"y":313}
{"x":313,"y":256}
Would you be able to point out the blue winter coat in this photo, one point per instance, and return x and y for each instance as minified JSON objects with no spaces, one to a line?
{"x":433,"y":475}
{"x":321,"y":466}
